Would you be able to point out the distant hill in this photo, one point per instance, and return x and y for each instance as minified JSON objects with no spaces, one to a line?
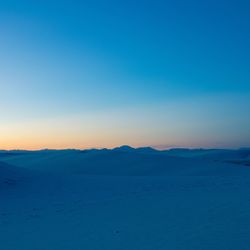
{"x":125,"y":161}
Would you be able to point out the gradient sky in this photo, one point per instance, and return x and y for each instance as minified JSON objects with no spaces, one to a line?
{"x":80,"y":74}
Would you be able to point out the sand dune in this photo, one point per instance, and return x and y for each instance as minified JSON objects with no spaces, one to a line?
{"x":58,"y":200}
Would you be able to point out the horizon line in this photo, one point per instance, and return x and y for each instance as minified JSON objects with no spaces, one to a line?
{"x":132,"y":147}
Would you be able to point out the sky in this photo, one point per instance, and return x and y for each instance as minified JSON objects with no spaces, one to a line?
{"x":83,"y":74}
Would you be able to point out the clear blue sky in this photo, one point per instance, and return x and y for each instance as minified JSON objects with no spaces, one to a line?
{"x":104,"y":73}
